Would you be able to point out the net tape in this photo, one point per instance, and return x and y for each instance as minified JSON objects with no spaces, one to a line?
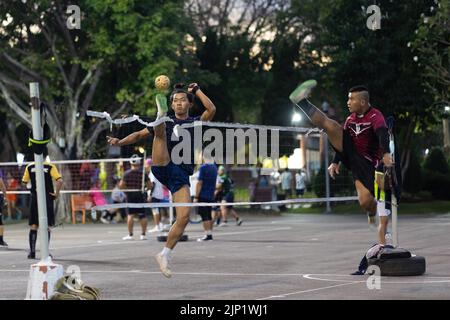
{"x":214,"y":204}
{"x":107,"y":117}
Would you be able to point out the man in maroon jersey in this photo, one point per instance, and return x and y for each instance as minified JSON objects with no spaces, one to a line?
{"x":362,"y":145}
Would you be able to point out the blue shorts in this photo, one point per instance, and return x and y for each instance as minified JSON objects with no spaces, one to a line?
{"x":172,"y":176}
{"x":229,"y":198}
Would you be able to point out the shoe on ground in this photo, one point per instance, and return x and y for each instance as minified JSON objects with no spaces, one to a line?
{"x":143,"y":237}
{"x":103,"y":220}
{"x":223,"y":224}
{"x":357,"y":273}
{"x":3,"y":244}
{"x":164,"y":265}
{"x":32,"y":255}
{"x":205,"y":238}
{"x":127,"y":238}
{"x":155,"y":229}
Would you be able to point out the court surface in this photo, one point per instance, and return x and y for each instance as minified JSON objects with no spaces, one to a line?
{"x":290,"y":256}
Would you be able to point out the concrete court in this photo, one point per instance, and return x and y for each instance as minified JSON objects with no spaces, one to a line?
{"x":276,"y":257}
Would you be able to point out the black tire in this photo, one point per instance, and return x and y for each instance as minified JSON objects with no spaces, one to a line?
{"x":414,"y":266}
{"x":163,"y":238}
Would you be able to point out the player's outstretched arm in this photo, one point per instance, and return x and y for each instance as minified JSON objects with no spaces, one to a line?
{"x":130,"y":139}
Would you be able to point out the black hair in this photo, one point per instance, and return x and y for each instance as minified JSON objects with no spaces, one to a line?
{"x":361,"y":88}
{"x":179,"y":88}
{"x":358,"y":88}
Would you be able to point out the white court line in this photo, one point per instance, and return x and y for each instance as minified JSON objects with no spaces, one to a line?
{"x":178,"y":273}
{"x":284,"y":295}
{"x":384,"y":280}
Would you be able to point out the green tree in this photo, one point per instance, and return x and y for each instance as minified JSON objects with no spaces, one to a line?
{"x":381,"y":59}
{"x":109,"y":64}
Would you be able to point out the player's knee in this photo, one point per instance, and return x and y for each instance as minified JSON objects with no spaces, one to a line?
{"x":366,"y":203}
{"x":183,"y":219}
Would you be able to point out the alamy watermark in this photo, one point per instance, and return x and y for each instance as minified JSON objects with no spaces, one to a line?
{"x":74,"y":20}
{"x":374,"y":21}
{"x":374,"y":281}
{"x":236,"y":146}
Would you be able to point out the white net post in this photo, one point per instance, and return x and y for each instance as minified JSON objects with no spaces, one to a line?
{"x":39,"y":167}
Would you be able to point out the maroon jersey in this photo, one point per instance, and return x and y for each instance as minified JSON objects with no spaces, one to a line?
{"x":362,"y":130}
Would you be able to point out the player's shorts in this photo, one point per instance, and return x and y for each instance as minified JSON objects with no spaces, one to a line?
{"x":362,"y":169}
{"x":136,"y":197}
{"x":217,"y":198}
{"x":205,"y":212}
{"x":156,"y":200}
{"x":173,"y":176}
{"x":34,"y":216}
{"x":228,"y":198}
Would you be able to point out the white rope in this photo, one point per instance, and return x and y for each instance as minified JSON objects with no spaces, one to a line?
{"x":214,"y":204}
{"x":76,"y":191}
{"x":19,"y":164}
{"x":105,"y":115}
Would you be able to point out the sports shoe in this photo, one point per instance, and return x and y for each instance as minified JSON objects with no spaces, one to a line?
{"x":357,"y":273}
{"x":3,"y":244}
{"x":143,"y":237}
{"x":32,"y":255}
{"x":104,"y":220}
{"x":161,"y":103}
{"x":164,"y":264}
{"x":223,"y":224}
{"x":206,"y":237}
{"x":239,"y":221}
{"x":128,"y":237}
{"x":154,"y":229}
{"x":302,"y":91}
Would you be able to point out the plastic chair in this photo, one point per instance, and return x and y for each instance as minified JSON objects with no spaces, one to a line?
{"x":80,"y":202}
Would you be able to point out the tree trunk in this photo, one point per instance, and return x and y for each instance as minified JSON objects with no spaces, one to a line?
{"x":446,"y":128}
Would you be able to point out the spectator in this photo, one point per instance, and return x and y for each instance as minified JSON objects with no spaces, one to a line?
{"x":204,"y":192}
{"x":158,"y":194}
{"x":50,"y":174}
{"x":3,"y":244}
{"x":12,"y":185}
{"x":300,"y":186}
{"x":118,"y":196}
{"x":132,"y":179}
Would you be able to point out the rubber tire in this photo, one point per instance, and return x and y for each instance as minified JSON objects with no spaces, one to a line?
{"x":414,"y":266}
{"x":163,"y":238}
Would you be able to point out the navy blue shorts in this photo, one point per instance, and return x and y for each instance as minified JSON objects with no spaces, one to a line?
{"x":136,"y":197}
{"x":229,"y":198}
{"x":205,"y":212}
{"x":173,"y":176}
